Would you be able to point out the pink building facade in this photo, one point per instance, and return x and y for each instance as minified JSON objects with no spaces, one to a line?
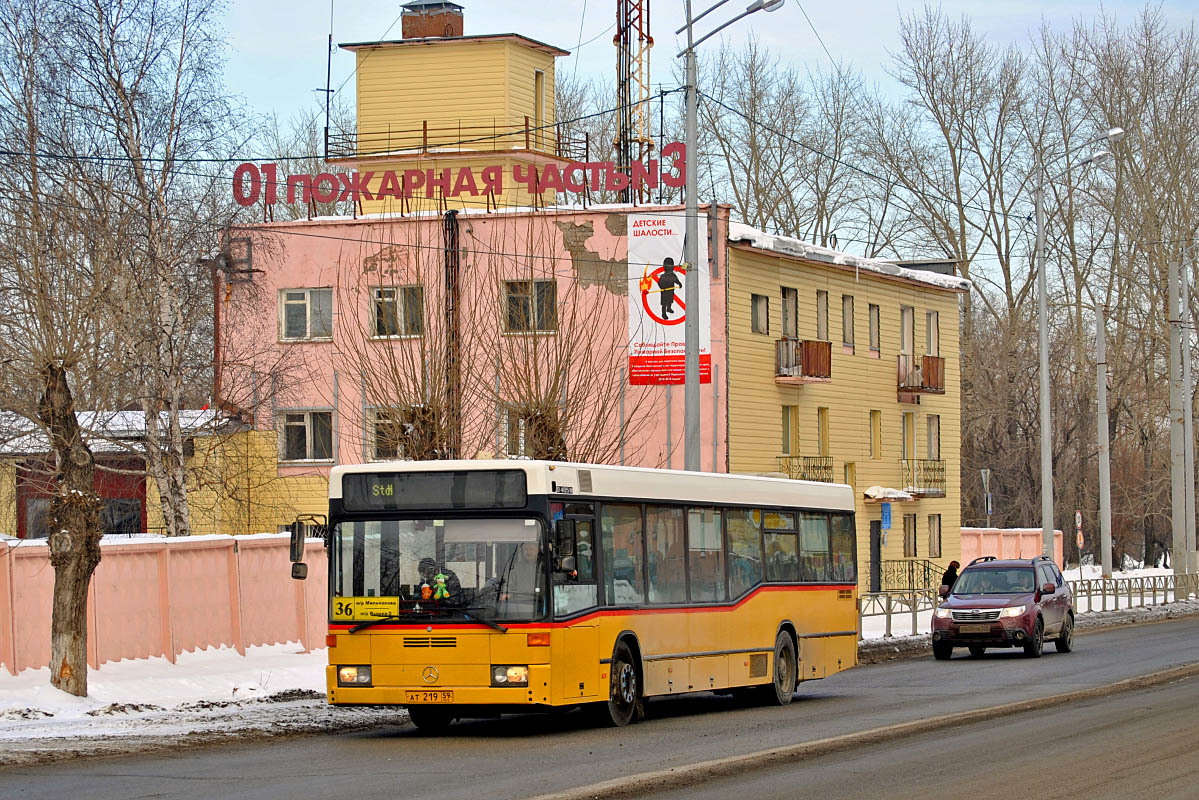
{"x":459,"y":334}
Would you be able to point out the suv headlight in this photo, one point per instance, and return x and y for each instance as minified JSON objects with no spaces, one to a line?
{"x":943,"y":613}
{"x":502,"y":675}
{"x":1013,"y":611}
{"x":354,"y":676}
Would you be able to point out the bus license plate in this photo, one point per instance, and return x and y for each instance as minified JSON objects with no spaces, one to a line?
{"x":425,"y":696}
{"x":974,"y":628}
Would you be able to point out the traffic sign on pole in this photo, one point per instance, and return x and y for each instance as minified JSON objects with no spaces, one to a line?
{"x":886,"y":516}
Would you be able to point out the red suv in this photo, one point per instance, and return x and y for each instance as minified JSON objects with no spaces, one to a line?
{"x":1005,"y":603}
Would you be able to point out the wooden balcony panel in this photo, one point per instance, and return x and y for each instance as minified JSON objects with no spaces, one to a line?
{"x":932,"y":373}
{"x":801,"y":361}
{"x":920,"y":374}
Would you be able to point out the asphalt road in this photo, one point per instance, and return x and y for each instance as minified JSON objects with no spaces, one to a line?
{"x":526,"y":756}
{"x":1133,"y":744}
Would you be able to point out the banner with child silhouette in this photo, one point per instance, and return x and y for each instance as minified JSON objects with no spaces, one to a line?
{"x":658,"y":276}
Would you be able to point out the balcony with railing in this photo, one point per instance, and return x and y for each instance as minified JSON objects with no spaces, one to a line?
{"x":807,"y":468}
{"x":800,"y":361}
{"x":461,"y":136}
{"x":920,"y":374}
{"x":923,"y":477}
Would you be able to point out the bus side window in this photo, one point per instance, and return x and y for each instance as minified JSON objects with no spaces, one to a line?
{"x":666,"y":567}
{"x":745,"y":549}
{"x":844,"y":566}
{"x":705,"y":548}
{"x":624,"y":576}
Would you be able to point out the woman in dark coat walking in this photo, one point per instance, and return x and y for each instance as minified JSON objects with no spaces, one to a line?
{"x":949,"y":578}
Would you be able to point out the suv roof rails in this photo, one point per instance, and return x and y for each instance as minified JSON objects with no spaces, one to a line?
{"x":1041,"y":557}
{"x":980,"y":558}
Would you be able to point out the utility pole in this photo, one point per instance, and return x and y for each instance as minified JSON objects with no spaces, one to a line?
{"x":691,"y":248}
{"x":1188,"y":433}
{"x":1178,"y":551}
{"x":1105,"y":460}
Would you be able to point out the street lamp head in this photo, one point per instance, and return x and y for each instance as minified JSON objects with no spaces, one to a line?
{"x":764,"y":5}
{"x":1098,"y":158}
{"x":1114,"y":135}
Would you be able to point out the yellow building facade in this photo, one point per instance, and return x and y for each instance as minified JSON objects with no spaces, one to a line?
{"x":847,"y":370}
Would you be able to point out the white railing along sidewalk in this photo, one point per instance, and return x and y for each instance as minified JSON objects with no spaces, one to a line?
{"x":911,"y":609}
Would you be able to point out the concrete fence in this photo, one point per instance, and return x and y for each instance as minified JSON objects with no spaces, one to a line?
{"x":1007,"y":543}
{"x":164,"y":597}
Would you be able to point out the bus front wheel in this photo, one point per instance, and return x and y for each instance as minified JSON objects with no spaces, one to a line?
{"x":624,"y":695}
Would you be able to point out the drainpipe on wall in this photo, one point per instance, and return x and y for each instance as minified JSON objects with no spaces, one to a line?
{"x":453,"y":406}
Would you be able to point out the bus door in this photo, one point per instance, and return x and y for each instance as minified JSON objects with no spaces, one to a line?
{"x":573,"y":596}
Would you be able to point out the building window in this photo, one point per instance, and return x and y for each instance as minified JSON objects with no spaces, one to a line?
{"x":399,"y":311}
{"x":876,"y":434}
{"x":759,"y":313}
{"x":934,"y":437}
{"x":847,"y":320}
{"x":909,"y":436}
{"x":306,"y":436}
{"x":790,"y":430}
{"x":934,"y":535}
{"x":404,"y":433}
{"x":932,"y":333}
{"x":822,"y":315}
{"x":909,"y":535}
{"x":532,"y":306}
{"x":875,"y":335}
{"x":907,"y":329}
{"x":822,"y":429}
{"x":790,"y":312}
{"x":306,"y":314}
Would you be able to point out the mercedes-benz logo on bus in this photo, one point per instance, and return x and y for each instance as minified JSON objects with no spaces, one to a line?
{"x":429,"y":674}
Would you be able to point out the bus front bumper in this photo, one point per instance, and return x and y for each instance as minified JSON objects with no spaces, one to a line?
{"x":393,"y":686}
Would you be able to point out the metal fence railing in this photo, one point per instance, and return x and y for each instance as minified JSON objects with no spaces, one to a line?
{"x":902,"y":608}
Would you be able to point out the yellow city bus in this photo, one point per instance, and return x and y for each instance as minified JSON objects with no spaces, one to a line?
{"x":474,"y":588}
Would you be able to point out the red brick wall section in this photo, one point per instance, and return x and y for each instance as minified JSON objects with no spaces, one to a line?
{"x":441,"y":23}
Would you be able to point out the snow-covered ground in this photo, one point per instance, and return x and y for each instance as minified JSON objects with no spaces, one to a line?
{"x":217,"y":693}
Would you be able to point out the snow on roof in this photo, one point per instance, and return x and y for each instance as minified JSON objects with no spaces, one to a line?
{"x":101,"y":429}
{"x":785,"y":245}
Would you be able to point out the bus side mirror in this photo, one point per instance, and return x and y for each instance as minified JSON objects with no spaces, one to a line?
{"x":567,"y":564}
{"x":564,"y":537}
{"x":297,"y":542}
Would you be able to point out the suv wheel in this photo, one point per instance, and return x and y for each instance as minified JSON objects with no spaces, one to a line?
{"x":942,"y":651}
{"x":1065,"y":642}
{"x":1036,"y":642}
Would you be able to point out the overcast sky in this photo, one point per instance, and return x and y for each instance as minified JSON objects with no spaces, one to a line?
{"x":276,"y":57}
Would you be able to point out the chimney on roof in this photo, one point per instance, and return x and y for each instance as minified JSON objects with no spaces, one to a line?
{"x":426,"y":18}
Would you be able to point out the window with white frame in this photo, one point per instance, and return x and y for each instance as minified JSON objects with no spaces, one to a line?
{"x":305,"y":314}
{"x":932,"y":333}
{"x":530,"y":306}
{"x":306,"y":436}
{"x":909,"y":535}
{"x":934,"y":437}
{"x":399,"y":311}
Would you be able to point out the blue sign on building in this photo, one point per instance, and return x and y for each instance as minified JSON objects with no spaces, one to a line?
{"x":886,"y":516}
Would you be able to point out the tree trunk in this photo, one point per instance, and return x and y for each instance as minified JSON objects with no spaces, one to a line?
{"x":74,"y":533}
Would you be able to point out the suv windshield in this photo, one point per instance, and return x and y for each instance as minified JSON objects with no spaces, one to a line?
{"x":490,"y":566}
{"x":995,"y":580}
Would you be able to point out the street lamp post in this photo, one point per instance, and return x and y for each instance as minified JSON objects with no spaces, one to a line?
{"x":691,"y":437}
{"x":1113,"y":135}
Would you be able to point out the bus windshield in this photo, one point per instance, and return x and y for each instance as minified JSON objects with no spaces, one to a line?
{"x":493,"y":567}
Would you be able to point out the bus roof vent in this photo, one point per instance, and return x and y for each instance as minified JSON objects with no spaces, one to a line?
{"x":585,"y":481}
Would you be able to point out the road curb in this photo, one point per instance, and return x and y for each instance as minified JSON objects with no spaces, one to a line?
{"x":692,"y":774}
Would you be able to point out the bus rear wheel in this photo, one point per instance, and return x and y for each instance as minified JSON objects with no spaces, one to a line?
{"x":782,"y":689}
{"x":624,"y":695}
{"x":430,"y":719}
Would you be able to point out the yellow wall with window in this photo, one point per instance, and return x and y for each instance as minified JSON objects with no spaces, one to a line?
{"x":863,"y":383}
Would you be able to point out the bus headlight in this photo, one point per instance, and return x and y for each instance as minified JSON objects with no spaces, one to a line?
{"x":502,"y":675}
{"x":354,"y":676}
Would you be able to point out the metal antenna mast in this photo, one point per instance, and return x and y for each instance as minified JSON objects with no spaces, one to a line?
{"x":634,"y":141}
